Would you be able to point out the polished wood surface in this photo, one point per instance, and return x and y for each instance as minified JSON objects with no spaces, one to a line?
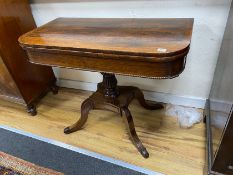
{"x":115,"y":98}
{"x":8,"y":89}
{"x":151,"y":37}
{"x":173,"y":150}
{"x":137,"y":47}
{"x":159,"y":46}
{"x":25,"y":82}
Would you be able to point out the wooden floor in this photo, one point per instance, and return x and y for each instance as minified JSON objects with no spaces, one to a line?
{"x":173,"y":151}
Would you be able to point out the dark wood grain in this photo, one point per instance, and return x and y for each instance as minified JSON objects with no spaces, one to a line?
{"x":152,"y":48}
{"x":21,"y":80}
{"x":123,"y":36}
{"x":120,"y":46}
{"x":8,"y":89}
{"x":116,"y":99}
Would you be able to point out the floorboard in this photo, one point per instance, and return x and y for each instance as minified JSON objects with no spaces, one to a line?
{"x":173,"y":150}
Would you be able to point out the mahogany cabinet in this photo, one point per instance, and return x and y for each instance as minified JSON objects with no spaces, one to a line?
{"x":218,"y":112}
{"x":20,"y":81}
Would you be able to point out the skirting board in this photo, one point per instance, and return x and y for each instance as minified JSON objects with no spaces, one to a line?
{"x":149,"y":95}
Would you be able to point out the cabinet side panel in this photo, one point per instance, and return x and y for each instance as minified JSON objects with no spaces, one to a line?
{"x":15,"y":20}
{"x":8,"y":87}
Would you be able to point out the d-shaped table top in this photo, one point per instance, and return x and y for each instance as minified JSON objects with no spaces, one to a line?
{"x":129,"y":44}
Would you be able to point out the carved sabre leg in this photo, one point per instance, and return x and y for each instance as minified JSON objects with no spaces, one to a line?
{"x":140,"y":97}
{"x":86,"y":106}
{"x":132,"y":132}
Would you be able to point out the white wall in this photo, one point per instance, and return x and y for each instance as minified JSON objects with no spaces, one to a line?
{"x":210,"y":20}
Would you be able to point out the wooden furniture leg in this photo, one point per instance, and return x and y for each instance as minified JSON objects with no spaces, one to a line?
{"x":114,"y":98}
{"x":86,"y":106}
{"x":128,"y":119}
{"x":31,"y":107}
{"x":54,"y":89}
{"x":140,"y":97}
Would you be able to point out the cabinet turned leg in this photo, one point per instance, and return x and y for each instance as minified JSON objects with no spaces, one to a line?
{"x":54,"y":89}
{"x":31,"y":109}
{"x":127,"y":117}
{"x":86,"y":106}
{"x":140,"y":97}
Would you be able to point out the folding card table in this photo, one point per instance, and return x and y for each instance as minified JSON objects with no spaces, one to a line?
{"x":149,"y":48}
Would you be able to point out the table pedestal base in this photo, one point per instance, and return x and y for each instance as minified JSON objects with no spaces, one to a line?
{"x":114,"y":98}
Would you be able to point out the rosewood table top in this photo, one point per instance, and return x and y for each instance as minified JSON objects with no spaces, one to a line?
{"x":152,"y":48}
